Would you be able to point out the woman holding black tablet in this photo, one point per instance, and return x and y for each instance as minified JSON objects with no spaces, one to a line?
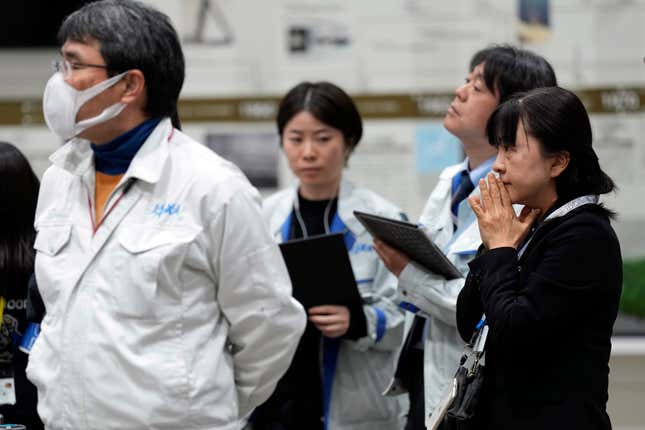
{"x":346,"y":356}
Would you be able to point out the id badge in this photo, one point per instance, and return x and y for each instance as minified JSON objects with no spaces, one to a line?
{"x":7,"y":391}
{"x":28,"y":339}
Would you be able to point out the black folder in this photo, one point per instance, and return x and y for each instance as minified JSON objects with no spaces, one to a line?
{"x":411,"y":240}
{"x":320,"y":271}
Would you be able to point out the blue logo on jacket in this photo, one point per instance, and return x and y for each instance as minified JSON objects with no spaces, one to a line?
{"x":361,"y":247}
{"x":165,"y":209}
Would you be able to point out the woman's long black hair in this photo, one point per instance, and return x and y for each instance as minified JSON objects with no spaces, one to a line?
{"x":19,"y":193}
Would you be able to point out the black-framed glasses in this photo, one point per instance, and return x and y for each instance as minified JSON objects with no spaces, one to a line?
{"x":66,"y":67}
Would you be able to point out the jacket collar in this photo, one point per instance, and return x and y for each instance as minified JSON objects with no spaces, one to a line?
{"x":467,"y":238}
{"x":560,"y":210}
{"x":344,"y":211}
{"x":451,"y":171}
{"x":76,"y":156}
{"x":346,"y":207}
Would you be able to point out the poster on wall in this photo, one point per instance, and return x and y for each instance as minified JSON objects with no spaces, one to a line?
{"x":256,"y":154}
{"x":219,"y":38}
{"x":421,"y":44}
{"x":533,"y":21}
{"x":208,"y":24}
{"x":317,"y":32}
{"x":436,"y":149}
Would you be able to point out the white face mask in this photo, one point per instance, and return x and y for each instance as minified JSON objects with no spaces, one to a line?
{"x":61,"y":103}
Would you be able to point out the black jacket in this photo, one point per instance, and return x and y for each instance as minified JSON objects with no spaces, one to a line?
{"x":13,"y":362}
{"x":551,"y":315}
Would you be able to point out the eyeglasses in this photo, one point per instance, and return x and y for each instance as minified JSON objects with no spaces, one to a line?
{"x":66,"y":67}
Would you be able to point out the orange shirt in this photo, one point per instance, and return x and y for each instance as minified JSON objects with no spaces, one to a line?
{"x":104,"y":184}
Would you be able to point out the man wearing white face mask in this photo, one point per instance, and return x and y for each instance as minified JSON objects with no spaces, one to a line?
{"x":62,"y":101}
{"x":167,"y":302}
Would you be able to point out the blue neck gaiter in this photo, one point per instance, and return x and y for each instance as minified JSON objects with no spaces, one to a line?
{"x":114,"y":158}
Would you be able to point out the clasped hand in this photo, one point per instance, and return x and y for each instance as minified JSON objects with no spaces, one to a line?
{"x":499,"y":226}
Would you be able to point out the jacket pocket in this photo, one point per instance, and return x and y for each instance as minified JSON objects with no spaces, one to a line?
{"x":149,"y":272}
{"x":52,"y":265}
{"x":50,"y":240}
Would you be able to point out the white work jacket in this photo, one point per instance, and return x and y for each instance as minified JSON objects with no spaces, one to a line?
{"x":433,"y":295}
{"x":177,"y":312}
{"x":355,"y":373}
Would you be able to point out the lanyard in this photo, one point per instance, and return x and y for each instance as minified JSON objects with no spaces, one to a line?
{"x":561,"y":211}
{"x":301,"y":222}
{"x":2,"y":302}
{"x":126,"y":188}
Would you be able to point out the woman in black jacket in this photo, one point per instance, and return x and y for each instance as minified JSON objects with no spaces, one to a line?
{"x":19,"y":193}
{"x":549,"y":279}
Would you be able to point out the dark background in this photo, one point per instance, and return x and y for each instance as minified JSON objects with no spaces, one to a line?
{"x":33,"y":23}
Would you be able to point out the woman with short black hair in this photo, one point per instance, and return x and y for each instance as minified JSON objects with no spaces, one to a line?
{"x":549,"y":279}
{"x":19,"y":193}
{"x":346,"y":356}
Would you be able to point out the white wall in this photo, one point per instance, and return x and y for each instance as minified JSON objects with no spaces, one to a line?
{"x":405,"y":46}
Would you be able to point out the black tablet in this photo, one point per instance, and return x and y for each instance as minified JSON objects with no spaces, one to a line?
{"x":411,"y":240}
{"x":320,"y":271}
